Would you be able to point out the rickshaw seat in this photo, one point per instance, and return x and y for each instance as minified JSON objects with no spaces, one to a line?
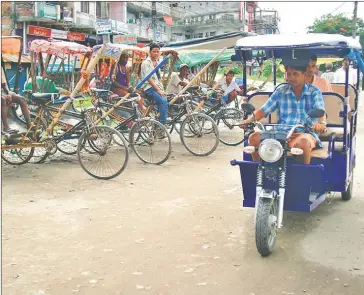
{"x":352,"y":93}
{"x":334,"y":106}
{"x":258,"y":99}
{"x":44,"y":97}
{"x":321,"y":153}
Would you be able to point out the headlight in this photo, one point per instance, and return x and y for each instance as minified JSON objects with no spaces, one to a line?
{"x":270,"y":150}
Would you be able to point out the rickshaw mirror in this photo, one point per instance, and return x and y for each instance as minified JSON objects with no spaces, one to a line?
{"x":316,"y":113}
{"x":235,"y":57}
{"x":247,"y":107}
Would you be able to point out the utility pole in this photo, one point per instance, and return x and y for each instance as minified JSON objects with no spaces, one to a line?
{"x":354,"y":18}
{"x":154,"y":20}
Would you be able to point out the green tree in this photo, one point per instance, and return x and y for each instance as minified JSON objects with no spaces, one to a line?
{"x":338,"y":24}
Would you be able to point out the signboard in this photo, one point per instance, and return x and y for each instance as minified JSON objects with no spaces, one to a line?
{"x":67,"y":14}
{"x":103,"y":27}
{"x":49,"y":11}
{"x":24,"y":10}
{"x":59,"y":34}
{"x":125,"y":39}
{"x":73,"y":36}
{"x":39,"y":31}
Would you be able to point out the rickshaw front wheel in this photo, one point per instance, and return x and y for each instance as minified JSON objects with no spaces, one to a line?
{"x":346,"y":196}
{"x":266,"y":226}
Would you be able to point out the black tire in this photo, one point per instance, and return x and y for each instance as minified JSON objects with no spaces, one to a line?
{"x":346,"y":196}
{"x":22,"y":156}
{"x":102,"y":143}
{"x":194,"y":128}
{"x":229,"y":121}
{"x":146,"y":144}
{"x":266,"y":233}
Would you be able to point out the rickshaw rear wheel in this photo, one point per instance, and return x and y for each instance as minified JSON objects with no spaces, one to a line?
{"x":346,"y":196}
{"x":266,"y":226}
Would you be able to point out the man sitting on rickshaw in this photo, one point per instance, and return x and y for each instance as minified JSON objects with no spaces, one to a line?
{"x":178,"y":80}
{"x":8,"y":97}
{"x":120,"y":84}
{"x":230,"y":88}
{"x":311,"y":78}
{"x":293,"y":101}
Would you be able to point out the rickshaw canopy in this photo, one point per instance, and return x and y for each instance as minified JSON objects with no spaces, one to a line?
{"x":323,"y":45}
{"x":195,"y":58}
{"x":59,"y":48}
{"x":11,"y":45}
{"x":298,"y":41}
{"x":114,"y":50}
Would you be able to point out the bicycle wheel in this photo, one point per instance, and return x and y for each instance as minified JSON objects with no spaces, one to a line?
{"x":200,"y":140}
{"x":228,"y":121}
{"x":99,"y":155}
{"x":17,"y":156}
{"x":40,"y":153}
{"x":150,"y":141}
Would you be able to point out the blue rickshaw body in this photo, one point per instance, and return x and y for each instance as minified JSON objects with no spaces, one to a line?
{"x":324,"y":175}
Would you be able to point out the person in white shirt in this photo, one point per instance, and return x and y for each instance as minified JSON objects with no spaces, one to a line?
{"x":231,"y":88}
{"x":178,"y":80}
{"x":329,"y":75}
{"x":340,"y":73}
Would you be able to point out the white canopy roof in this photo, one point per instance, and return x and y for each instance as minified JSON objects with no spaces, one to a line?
{"x":298,"y":40}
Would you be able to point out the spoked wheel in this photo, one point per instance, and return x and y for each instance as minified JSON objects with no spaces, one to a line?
{"x":68,"y":146}
{"x":17,"y":156}
{"x":150,"y":141}
{"x":228,"y":122}
{"x":101,"y":153}
{"x":266,"y":226}
{"x":199,"y":134}
{"x":346,"y":196}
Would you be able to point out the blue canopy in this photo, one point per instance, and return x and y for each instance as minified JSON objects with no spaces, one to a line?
{"x":323,"y":45}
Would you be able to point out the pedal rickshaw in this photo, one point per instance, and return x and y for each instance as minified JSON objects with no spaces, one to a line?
{"x":278,"y":182}
{"x":207,"y":98}
{"x":98,"y":146}
{"x":126,"y":114}
{"x":56,"y":66}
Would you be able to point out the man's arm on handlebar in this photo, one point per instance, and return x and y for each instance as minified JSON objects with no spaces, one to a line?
{"x":258,"y":115}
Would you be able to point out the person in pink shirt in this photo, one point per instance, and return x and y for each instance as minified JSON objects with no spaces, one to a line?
{"x":316,"y":81}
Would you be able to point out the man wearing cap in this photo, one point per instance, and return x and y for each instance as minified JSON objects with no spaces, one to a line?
{"x":292,"y":102}
{"x":178,"y":80}
{"x":311,"y":77}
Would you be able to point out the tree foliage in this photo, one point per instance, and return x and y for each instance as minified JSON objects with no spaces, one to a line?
{"x":338,"y":24}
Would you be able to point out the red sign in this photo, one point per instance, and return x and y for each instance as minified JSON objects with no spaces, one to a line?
{"x":39,"y":31}
{"x":73,"y":36}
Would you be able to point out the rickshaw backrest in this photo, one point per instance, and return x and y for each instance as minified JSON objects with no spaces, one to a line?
{"x":258,"y":99}
{"x":334,"y":105}
{"x":352,"y":93}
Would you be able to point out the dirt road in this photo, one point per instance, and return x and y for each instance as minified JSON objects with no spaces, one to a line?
{"x":175,"y":229}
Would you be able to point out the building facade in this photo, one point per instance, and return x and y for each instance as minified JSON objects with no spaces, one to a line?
{"x":207,"y":19}
{"x":97,"y":22}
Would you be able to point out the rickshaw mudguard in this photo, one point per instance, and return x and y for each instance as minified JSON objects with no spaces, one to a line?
{"x":301,"y":182}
